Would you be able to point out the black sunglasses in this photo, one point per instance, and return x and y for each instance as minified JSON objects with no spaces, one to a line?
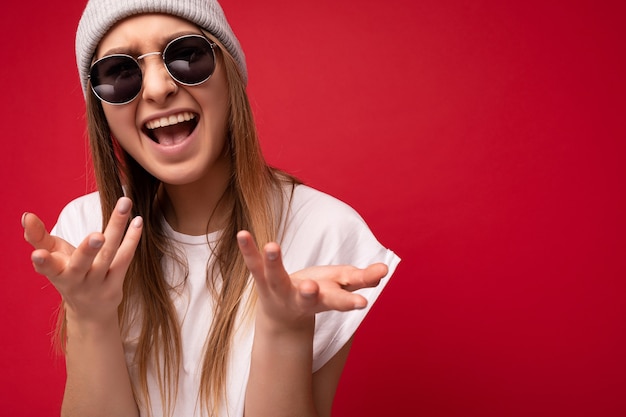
{"x":117,"y":79}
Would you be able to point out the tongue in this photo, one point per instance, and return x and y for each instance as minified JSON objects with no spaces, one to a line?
{"x":171,"y":135}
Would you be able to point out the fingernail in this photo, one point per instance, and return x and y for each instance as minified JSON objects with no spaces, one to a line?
{"x":123,"y":205}
{"x":37,"y":259}
{"x":95,"y":243}
{"x":242,"y":240}
{"x":24,"y":219}
{"x":137,"y":222}
{"x":272,"y":255}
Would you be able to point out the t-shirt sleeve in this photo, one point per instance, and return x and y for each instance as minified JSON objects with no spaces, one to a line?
{"x":321,"y":230}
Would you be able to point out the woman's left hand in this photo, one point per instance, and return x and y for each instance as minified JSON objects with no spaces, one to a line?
{"x":289,"y":300}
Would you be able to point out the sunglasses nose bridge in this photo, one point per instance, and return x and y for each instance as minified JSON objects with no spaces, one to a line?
{"x":157,"y":80}
{"x":160,"y":61}
{"x":140,"y":57}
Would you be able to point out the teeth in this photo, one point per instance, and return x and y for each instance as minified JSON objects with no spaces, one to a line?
{"x":171,"y":120}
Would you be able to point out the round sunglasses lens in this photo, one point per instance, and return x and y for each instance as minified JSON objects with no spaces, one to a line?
{"x":190,"y":59}
{"x":116,"y":79}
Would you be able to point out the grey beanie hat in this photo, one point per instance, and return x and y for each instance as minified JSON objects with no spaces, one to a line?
{"x":100,"y":15}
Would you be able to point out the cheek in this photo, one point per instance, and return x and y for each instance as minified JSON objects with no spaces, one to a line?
{"x":219,"y":129}
{"x":121,"y":122}
{"x":221,"y":118}
{"x":215,"y":109}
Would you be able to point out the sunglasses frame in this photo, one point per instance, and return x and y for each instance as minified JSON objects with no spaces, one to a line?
{"x":212,"y":45}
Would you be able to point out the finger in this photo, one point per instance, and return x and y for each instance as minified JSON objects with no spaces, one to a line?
{"x":82,"y":259}
{"x":364,"y":278}
{"x":251,"y":255}
{"x":45,"y":263}
{"x":127,"y":249}
{"x":275,"y":275}
{"x":308,"y":294}
{"x":113,"y":234}
{"x":359,"y":278}
{"x":343,"y":301}
{"x":35,"y":232}
{"x":376,"y":272}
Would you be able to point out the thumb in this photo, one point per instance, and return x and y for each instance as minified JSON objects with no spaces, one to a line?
{"x":35,"y":232}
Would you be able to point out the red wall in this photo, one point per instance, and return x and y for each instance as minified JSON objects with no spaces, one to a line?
{"x":484,"y":142}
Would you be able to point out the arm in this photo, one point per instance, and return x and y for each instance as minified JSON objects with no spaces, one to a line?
{"x":326,"y":380}
{"x":97,"y":383}
{"x":281,"y":382}
{"x":89,"y":279}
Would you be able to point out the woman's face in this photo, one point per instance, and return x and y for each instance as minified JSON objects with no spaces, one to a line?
{"x":183,"y":152}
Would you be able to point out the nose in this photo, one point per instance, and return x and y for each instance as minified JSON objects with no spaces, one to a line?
{"x":158,"y":85}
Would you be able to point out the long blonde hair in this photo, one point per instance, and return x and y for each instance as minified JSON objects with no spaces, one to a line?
{"x":254,"y":190}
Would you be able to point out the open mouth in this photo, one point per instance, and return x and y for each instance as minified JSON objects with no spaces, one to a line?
{"x":172,"y":129}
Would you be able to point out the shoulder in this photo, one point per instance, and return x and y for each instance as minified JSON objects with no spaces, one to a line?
{"x":311,"y":205}
{"x":319,"y":229}
{"x":78,"y":218}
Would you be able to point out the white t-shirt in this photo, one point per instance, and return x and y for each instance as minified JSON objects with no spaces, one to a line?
{"x":317,"y":230}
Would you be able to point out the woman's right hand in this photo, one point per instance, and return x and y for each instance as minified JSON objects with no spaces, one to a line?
{"x":89,"y":277}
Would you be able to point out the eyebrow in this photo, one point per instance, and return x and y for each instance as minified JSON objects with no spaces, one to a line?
{"x":135,"y":52}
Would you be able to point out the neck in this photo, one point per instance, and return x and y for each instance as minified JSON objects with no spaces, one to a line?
{"x":198,"y":208}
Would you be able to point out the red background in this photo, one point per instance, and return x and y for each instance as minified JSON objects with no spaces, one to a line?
{"x":483,"y":141}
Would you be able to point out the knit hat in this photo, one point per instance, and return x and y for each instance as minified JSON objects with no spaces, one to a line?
{"x":100,"y":15}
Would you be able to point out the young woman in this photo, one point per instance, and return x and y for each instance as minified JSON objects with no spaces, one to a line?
{"x":177,"y":298}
